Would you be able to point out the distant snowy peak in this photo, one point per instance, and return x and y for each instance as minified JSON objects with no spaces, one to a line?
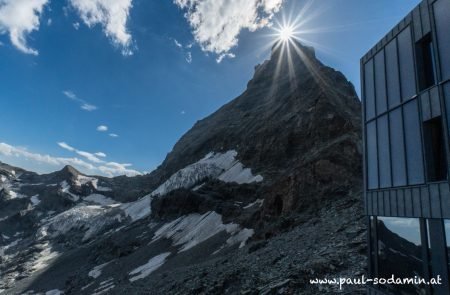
{"x":222,"y":166}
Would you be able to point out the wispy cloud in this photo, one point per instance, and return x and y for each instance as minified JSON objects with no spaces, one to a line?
{"x":100,"y":154}
{"x":89,"y":156}
{"x":102,"y":128}
{"x":113,"y":135}
{"x":18,"y":18}
{"x":187,"y":54}
{"x":111,"y":15}
{"x":216,"y":24}
{"x":84,"y":105}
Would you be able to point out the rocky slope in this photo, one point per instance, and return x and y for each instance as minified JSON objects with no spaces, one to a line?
{"x":257,"y":198}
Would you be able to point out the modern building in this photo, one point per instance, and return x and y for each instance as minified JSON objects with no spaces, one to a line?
{"x":406,"y":111}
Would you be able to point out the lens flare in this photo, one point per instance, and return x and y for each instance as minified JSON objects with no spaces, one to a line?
{"x":286,"y":33}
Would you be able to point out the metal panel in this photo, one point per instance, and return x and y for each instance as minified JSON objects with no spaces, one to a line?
{"x":435,"y":201}
{"x":417,"y":22}
{"x":417,"y":208}
{"x":425,"y":200}
{"x":384,"y":157}
{"x":387,"y":204}
{"x":425,"y":17}
{"x":380,"y":198}
{"x":408,"y":203}
{"x":413,"y":140}
{"x":380,"y":83}
{"x":392,"y":74}
{"x":445,"y":200}
{"x":401,"y":202}
{"x":441,"y":10}
{"x":406,"y":62}
{"x":426,"y":107}
{"x":398,"y":159}
{"x":372,"y":157}
{"x":435,"y":103}
{"x":393,"y":200}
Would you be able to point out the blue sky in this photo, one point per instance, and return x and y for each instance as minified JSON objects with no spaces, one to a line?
{"x":148,"y":70}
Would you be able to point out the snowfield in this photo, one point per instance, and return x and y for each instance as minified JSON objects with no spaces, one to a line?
{"x":190,"y":230}
{"x":222,"y":166}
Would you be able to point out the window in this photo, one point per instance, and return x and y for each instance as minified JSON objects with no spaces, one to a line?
{"x":436,"y":162}
{"x":425,"y":63}
{"x":447,"y":240}
{"x":400,"y":252}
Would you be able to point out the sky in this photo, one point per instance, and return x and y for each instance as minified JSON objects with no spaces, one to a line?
{"x":109,"y":86}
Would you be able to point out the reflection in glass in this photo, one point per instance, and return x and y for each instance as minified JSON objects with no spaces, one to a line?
{"x":447,"y":240}
{"x":399,"y":252}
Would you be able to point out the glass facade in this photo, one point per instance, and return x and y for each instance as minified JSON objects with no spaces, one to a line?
{"x":406,"y":108}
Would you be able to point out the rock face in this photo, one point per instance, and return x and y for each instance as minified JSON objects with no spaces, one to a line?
{"x":257,"y":198}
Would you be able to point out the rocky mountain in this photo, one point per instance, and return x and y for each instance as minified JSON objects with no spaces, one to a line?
{"x":258,"y":198}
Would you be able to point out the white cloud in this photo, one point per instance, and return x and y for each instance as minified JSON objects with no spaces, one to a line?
{"x":102,"y":128}
{"x":177,"y":44}
{"x":100,"y":154}
{"x":113,"y":135}
{"x":112,"y":15}
{"x":83,"y":104}
{"x":76,"y":25}
{"x":106,"y":168}
{"x":189,"y":57}
{"x":18,"y":18}
{"x":217,"y":24}
{"x":89,"y":156}
{"x":66,"y":146}
{"x":224,"y":55}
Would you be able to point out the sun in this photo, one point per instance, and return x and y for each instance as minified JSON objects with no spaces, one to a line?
{"x":286,"y":33}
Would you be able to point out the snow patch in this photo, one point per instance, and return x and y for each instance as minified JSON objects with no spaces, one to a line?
{"x":103,"y":189}
{"x":258,"y":202}
{"x":193,"y":229}
{"x":146,"y":269}
{"x":54,"y":292}
{"x":223,"y":166}
{"x":35,"y":200}
{"x":99,"y":199}
{"x":82,"y":180}
{"x":97,"y":271}
{"x":138,"y":209}
{"x":65,"y":187}
{"x":90,"y":219}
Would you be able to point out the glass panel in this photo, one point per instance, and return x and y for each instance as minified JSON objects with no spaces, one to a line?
{"x":441,"y":14}
{"x":447,"y":240}
{"x":400,"y":252}
{"x":392,"y":75}
{"x":414,"y":153}
{"x":372,"y":161}
{"x":380,"y":83}
{"x":383,"y":151}
{"x":406,"y":60}
{"x":373,"y":246}
{"x":369,"y":90}
{"x":397,"y":148}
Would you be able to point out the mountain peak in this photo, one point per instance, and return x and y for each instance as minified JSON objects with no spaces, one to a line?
{"x":70,"y":170}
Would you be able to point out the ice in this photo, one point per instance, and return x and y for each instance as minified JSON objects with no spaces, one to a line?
{"x":44,"y":257}
{"x":193,"y":229}
{"x":5,"y":237}
{"x":104,"y":287}
{"x":103,"y":189}
{"x":54,"y":292}
{"x":97,"y":271}
{"x":91,"y":219}
{"x":223,"y":166}
{"x":146,"y":269}
{"x":258,"y":202}
{"x":82,"y":180}
{"x":99,"y":199}
{"x":138,"y":209}
{"x":35,"y":200}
